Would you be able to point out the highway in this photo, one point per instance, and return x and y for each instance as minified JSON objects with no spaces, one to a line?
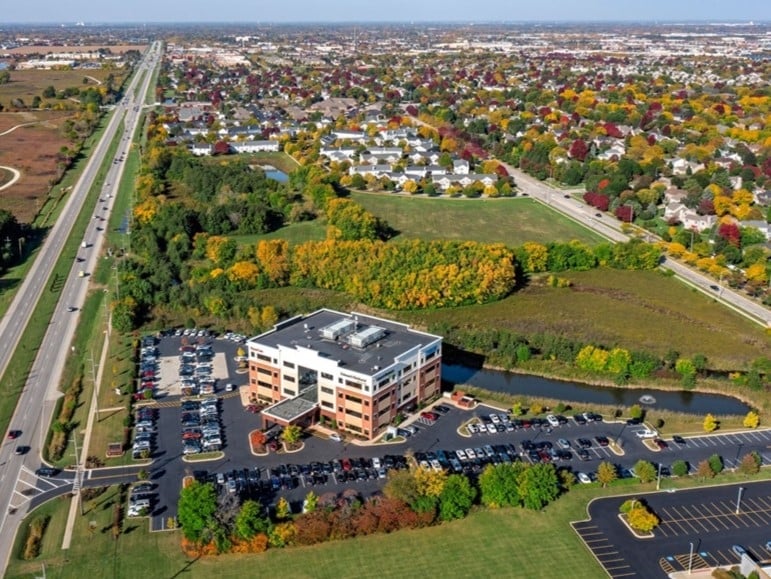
{"x":38,"y":398}
{"x":609,"y":227}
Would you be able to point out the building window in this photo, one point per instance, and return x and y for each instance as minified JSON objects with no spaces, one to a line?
{"x":288,"y":365}
{"x":263,"y":358}
{"x":366,"y":403}
{"x":264,"y":384}
{"x":326,"y":404}
{"x":264,"y":371}
{"x":353,"y":399}
{"x":353,"y":413}
{"x":327,"y":376}
{"x":289,"y":378}
{"x":326,"y":390}
{"x":290,"y":392}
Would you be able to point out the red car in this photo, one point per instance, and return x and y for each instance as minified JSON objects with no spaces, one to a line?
{"x":14,"y":434}
{"x":660,"y":443}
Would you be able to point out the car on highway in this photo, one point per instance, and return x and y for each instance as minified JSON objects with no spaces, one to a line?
{"x":71,"y":308}
{"x":14,"y":434}
{"x":19,"y":450}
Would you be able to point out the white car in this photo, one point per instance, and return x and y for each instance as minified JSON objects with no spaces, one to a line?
{"x":336,"y":437}
{"x":470,"y":453}
{"x":552,"y":420}
{"x":584,"y":478}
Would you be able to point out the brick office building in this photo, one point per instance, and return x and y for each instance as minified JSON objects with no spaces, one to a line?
{"x":359,"y":371}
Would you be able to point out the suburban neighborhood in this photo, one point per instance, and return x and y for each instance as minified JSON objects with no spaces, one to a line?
{"x":468,"y":288}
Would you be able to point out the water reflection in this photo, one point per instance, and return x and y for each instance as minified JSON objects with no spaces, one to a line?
{"x":500,"y":381}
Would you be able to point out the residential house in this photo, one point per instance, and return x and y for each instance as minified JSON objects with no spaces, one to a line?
{"x":255,"y":146}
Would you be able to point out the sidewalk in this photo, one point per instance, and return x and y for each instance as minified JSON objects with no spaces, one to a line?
{"x":67,"y":538}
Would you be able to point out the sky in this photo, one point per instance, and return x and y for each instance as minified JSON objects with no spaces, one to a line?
{"x":104,"y":11}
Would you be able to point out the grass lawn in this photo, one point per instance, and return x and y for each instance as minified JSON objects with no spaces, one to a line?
{"x":639,"y":310}
{"x":508,"y":221}
{"x":295,"y":233}
{"x":503,"y":540}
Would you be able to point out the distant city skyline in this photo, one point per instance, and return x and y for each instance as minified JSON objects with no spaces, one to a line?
{"x":330,"y":11}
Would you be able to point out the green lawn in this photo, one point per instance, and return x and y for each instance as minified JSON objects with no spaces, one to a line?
{"x":498,"y":542}
{"x":294,"y":234}
{"x":509,"y":221}
{"x":639,"y":310}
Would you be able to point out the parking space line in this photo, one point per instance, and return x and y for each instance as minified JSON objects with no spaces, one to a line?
{"x":686,"y":520}
{"x":717,"y":518}
{"x":673,"y":521}
{"x":763,"y":501}
{"x":702,"y":518}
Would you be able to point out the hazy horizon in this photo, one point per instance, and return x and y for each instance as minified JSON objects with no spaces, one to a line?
{"x":393,"y":12}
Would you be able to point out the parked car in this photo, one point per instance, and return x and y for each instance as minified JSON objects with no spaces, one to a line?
{"x":584,"y":478}
{"x":678,"y":439}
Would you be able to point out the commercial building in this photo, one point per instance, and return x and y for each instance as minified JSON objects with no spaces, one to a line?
{"x":356,"y":370}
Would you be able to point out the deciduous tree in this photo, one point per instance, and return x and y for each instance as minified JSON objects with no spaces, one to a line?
{"x":606,"y":473}
{"x":457,"y":497}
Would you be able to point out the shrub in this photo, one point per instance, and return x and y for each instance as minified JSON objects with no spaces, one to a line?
{"x":34,"y":537}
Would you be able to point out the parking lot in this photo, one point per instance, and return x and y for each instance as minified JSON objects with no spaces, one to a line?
{"x":705,"y":518}
{"x":491,"y":436}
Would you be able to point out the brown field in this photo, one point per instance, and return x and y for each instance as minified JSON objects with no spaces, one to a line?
{"x":117,"y":49}
{"x":32,"y":150}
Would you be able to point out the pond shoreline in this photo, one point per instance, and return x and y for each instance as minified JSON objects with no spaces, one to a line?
{"x":588,"y":384}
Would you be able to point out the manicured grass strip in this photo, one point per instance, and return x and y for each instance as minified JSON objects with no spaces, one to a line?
{"x":509,"y":221}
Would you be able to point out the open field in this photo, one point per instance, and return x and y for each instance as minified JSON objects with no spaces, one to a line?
{"x":115,"y":49}
{"x":509,"y":221}
{"x":294,"y":234}
{"x":26,"y":84}
{"x":32,"y":150}
{"x":639,"y":310}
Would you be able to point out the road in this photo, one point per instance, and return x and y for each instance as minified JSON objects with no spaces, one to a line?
{"x":38,"y":398}
{"x":609,"y":227}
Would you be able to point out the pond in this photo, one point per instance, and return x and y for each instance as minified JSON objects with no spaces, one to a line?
{"x":679,"y":401}
{"x":276,"y":175}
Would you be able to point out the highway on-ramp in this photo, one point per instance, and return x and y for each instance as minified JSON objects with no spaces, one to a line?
{"x":38,"y":398}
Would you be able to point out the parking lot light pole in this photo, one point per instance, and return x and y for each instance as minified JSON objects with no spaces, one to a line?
{"x":739,"y":500}
{"x":690,"y":559}
{"x":658,"y":479}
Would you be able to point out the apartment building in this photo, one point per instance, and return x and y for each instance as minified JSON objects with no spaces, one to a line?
{"x":356,"y":370}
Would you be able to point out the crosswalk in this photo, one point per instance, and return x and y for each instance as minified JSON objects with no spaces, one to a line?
{"x":29,"y":485}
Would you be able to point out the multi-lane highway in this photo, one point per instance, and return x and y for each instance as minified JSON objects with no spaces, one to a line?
{"x":38,"y":398}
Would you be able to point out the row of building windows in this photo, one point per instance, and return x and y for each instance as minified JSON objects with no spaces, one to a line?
{"x":288,"y":365}
{"x":264,"y":358}
{"x":264,"y":371}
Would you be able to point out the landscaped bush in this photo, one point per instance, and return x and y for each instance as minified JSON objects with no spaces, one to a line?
{"x":34,"y":537}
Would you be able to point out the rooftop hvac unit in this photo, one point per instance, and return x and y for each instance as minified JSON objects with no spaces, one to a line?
{"x":338,"y":328}
{"x":366,"y":337}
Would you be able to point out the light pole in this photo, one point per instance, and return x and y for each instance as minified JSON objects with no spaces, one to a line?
{"x":690,"y":559}
{"x":739,"y":499}
{"x":658,"y":479}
